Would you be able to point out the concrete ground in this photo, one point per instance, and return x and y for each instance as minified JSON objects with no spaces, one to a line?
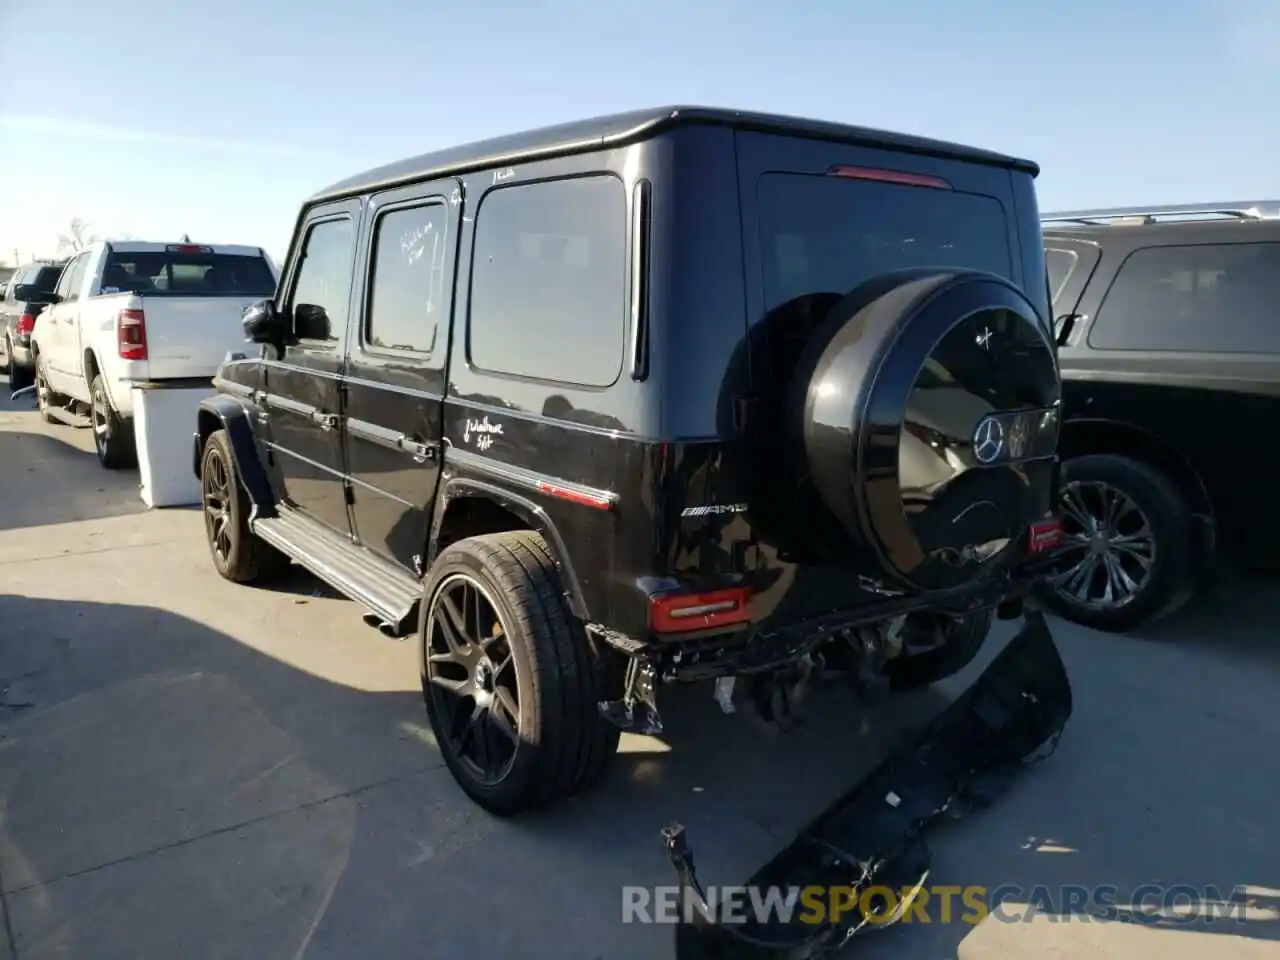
{"x":190,"y":768}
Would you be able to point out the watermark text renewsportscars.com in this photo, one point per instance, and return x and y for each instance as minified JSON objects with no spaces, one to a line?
{"x":1149,"y":903}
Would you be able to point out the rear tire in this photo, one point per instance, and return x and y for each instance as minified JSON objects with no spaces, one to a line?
{"x":112,"y":436}
{"x":237,"y":554}
{"x":46,"y":399}
{"x":562,"y":744}
{"x":1153,"y":508}
{"x":18,"y":377}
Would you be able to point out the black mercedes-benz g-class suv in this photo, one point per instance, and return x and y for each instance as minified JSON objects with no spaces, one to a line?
{"x":1168,"y":322}
{"x":673,"y":395}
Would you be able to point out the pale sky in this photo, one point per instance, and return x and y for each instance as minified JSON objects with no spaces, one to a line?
{"x":154,"y":119}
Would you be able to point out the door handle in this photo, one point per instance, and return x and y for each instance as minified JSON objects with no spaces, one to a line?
{"x":327,"y":421}
{"x":420,"y":451}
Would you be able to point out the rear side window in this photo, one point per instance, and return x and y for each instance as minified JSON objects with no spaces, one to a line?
{"x":1059,"y":264}
{"x":823,"y":234}
{"x":1209,"y":297}
{"x":161,"y":273}
{"x":408,"y":293}
{"x":549,"y":281}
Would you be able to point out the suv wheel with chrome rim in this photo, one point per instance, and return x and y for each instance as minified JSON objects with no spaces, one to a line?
{"x":1126,"y":544}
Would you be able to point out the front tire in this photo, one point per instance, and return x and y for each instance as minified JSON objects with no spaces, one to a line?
{"x":1127,"y":544}
{"x":510,"y":678}
{"x":112,"y":436}
{"x":237,"y":554}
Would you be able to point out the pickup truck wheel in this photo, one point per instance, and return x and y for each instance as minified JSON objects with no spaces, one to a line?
{"x":17,"y":375}
{"x":1127,"y":544}
{"x":237,"y":554}
{"x":46,"y":399}
{"x":510,"y":678}
{"x":112,"y":437}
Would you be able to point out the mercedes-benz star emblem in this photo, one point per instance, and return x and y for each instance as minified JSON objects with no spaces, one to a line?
{"x":988,"y":440}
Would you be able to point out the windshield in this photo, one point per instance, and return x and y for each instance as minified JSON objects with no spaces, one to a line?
{"x":824,"y":234}
{"x":170,"y":273}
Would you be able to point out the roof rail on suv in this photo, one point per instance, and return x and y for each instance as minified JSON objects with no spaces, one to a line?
{"x":1229,"y":210}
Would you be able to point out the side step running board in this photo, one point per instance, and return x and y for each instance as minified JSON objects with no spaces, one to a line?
{"x":383,"y":588}
{"x":870,"y":841}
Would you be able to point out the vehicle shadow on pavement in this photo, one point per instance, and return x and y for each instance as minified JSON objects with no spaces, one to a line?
{"x":167,"y":790}
{"x":49,"y":480}
{"x":1249,"y":605}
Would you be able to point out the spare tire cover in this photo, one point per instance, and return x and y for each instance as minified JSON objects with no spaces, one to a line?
{"x":929,"y":405}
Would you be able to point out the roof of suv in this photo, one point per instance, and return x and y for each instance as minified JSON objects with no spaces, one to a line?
{"x":619,"y":129}
{"x":1211,"y":220}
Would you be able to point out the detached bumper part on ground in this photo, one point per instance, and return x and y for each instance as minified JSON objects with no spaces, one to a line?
{"x":873,"y":836}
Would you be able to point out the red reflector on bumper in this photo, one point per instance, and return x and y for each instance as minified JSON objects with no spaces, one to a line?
{"x":686,"y":612}
{"x":1045,"y":535}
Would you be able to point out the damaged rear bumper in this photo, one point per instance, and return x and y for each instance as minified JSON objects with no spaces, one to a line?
{"x":873,"y":836}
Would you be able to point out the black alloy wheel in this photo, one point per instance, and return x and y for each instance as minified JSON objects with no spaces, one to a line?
{"x":472,"y":679}
{"x":216,"y":493}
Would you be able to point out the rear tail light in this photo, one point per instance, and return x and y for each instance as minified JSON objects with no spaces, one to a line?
{"x":688,"y":612}
{"x":1044,"y":536}
{"x":131,"y":335}
{"x":890,"y":176}
{"x":27,"y":322}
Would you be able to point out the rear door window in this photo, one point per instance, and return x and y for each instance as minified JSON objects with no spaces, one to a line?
{"x":1213,"y":298}
{"x":825,"y":234}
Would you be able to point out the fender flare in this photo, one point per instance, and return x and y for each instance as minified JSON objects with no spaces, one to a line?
{"x":1191,"y":474}
{"x":456,"y":488}
{"x":234,"y":416}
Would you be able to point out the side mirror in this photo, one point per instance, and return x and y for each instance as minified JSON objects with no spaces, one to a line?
{"x":264,"y":324}
{"x":310,"y":322}
{"x":24,"y":291}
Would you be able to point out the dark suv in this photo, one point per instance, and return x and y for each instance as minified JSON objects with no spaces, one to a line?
{"x":1169,"y":338}
{"x":25,"y":297}
{"x":675,"y":395}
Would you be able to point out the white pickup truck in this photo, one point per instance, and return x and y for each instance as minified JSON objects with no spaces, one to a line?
{"x":126,"y":313}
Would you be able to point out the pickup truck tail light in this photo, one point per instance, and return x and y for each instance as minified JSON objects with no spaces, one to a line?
{"x":131,"y":335}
